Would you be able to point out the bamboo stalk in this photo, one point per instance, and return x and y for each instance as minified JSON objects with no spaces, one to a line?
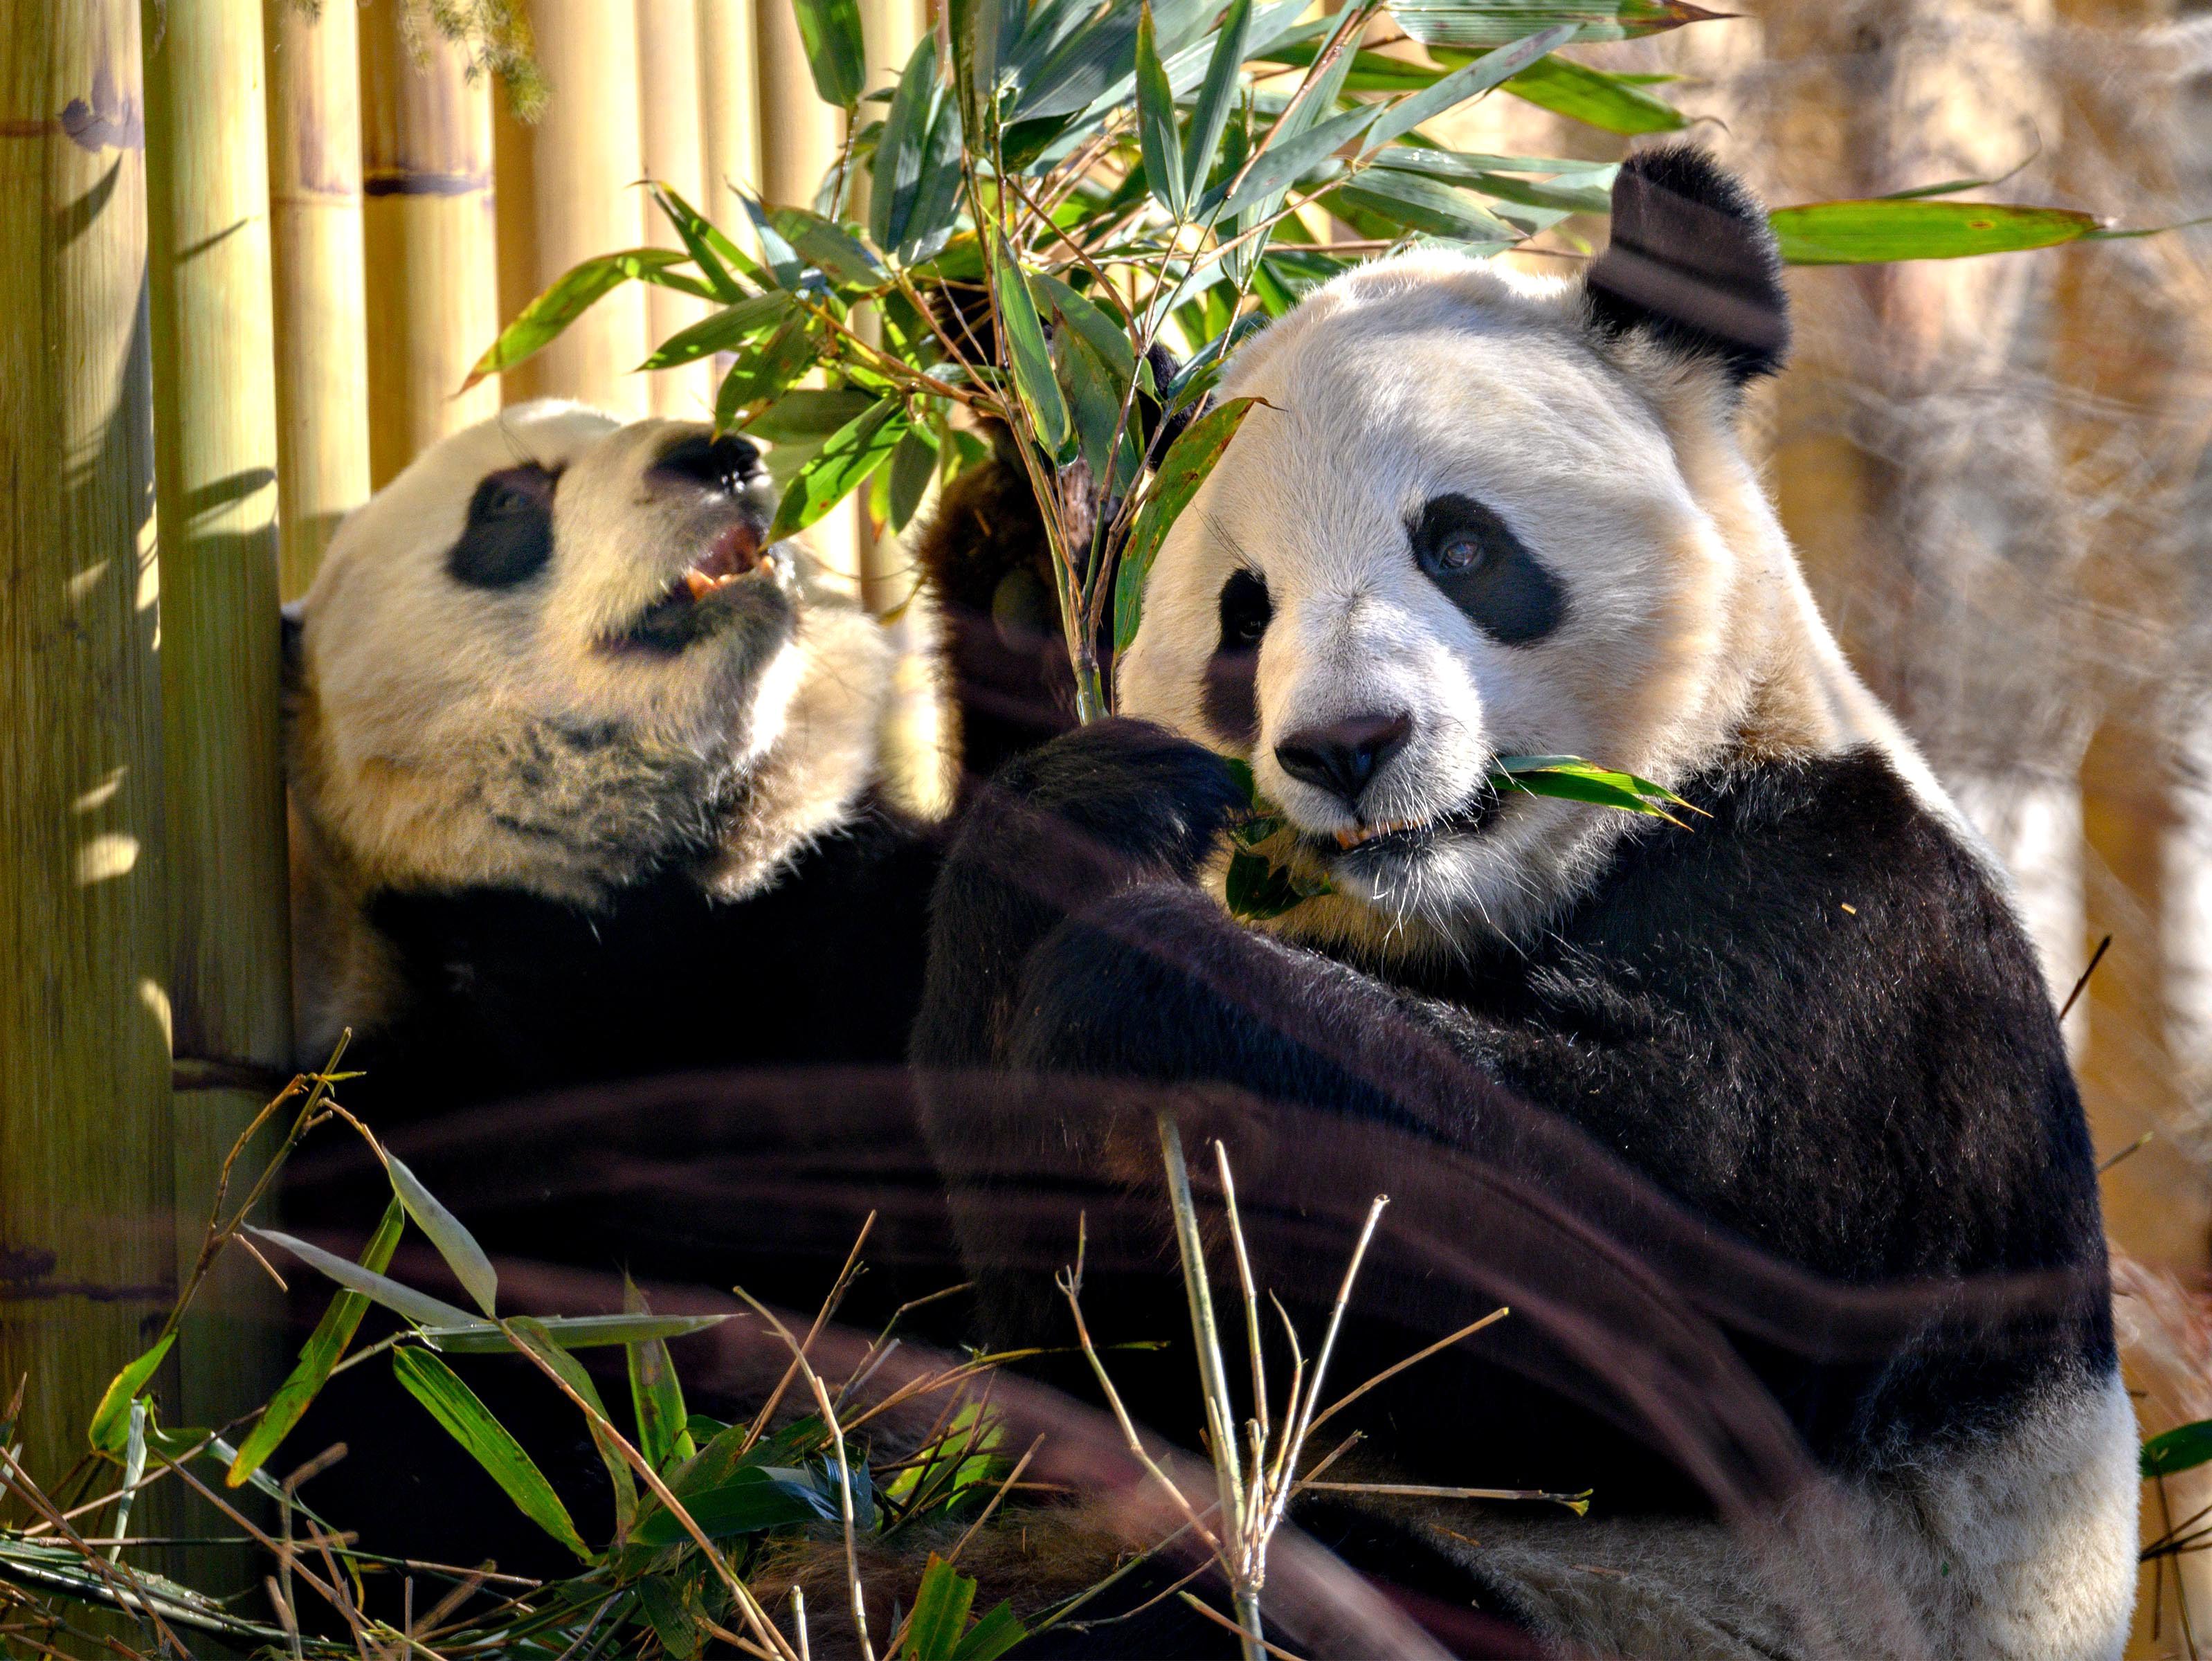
{"x":428,"y":232}
{"x":214,"y":449}
{"x":87,"y":1256}
{"x":322,"y":340}
{"x":672,"y":125}
{"x":729,"y":98}
{"x":585,"y":160}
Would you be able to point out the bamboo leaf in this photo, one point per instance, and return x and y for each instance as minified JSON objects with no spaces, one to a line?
{"x":1610,"y":102}
{"x":1290,"y":157}
{"x":913,"y":465}
{"x":656,"y":1395}
{"x":416,"y":1307}
{"x":757,"y":1498}
{"x":784,"y":267}
{"x":1100,"y":332}
{"x":1491,"y":69}
{"x":843,"y":464}
{"x":1156,"y":120}
{"x":897,"y":167}
{"x":111,"y":1419}
{"x":317,"y":1356}
{"x":573,"y":293}
{"x":1424,"y":204}
{"x":725,"y":332}
{"x":569,"y":1332}
{"x":470,"y":1422}
{"x":711,"y":250}
{"x":532,"y":1336}
{"x":830,"y":30}
{"x":992,"y":1636}
{"x":758,"y":379}
{"x":1573,"y":779}
{"x":810,"y":413}
{"x":455,"y":1244}
{"x":1218,"y":97}
{"x":1493,"y":22}
{"x":1028,"y":355}
{"x":935,"y":214}
{"x":1182,"y":470}
{"x":1867,"y":233}
{"x":940,"y":1612}
{"x":2183,"y":1448}
{"x":830,"y":246}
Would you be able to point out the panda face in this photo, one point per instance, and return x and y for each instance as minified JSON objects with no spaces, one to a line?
{"x":555,"y":651}
{"x":1460,"y":531}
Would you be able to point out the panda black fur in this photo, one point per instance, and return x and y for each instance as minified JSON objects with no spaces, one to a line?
{"x":1489,"y":516}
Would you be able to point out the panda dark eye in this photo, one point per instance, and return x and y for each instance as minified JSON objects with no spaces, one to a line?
{"x":1470,"y":552}
{"x":1246,"y":610}
{"x":508,"y":537}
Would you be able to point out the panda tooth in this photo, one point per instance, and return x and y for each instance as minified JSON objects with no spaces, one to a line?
{"x":700,"y":584}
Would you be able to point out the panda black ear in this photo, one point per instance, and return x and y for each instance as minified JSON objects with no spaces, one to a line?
{"x":1693,"y":264}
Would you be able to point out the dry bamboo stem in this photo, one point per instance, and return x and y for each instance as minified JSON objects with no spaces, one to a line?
{"x":85,"y":1167}
{"x":215,"y":442}
{"x":428,"y":229}
{"x":585,"y":162}
{"x":671,"y":127}
{"x":322,"y":341}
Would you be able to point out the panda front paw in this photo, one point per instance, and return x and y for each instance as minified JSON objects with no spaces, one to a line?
{"x":1125,"y":793}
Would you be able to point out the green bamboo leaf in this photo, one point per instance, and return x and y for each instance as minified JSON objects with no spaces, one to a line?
{"x":810,"y":414}
{"x":711,"y":250}
{"x":1573,"y":779}
{"x":1609,"y":102}
{"x":1182,"y":470}
{"x":569,"y":1332}
{"x":897,"y":170}
{"x":1580,"y":188}
{"x":843,"y":464}
{"x":1256,"y":889}
{"x":661,"y":1599}
{"x":725,"y":332}
{"x":1424,"y":204}
{"x":317,"y":1356}
{"x":455,"y":1244}
{"x":1217,"y":97}
{"x":913,"y":465}
{"x":1029,"y":357}
{"x":1105,"y":336}
{"x":1156,"y":119}
{"x":785,"y":269}
{"x":656,"y":1394}
{"x":756,"y":1498}
{"x":573,"y":293}
{"x":1095,"y":63}
{"x":1494,"y":22}
{"x":830,"y":246}
{"x":532,"y":1336}
{"x":758,"y":379}
{"x":936,"y":211}
{"x":1491,"y":69}
{"x":940,"y":1612}
{"x":1281,"y":166}
{"x":2183,"y":1448}
{"x":992,"y":1636}
{"x":470,"y":1422}
{"x":419,"y":1307}
{"x":1869,"y":233}
{"x":111,"y":1419}
{"x":830,"y":30}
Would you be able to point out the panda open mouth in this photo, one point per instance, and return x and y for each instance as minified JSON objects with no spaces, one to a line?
{"x":1407,"y":835}
{"x":707,"y":594}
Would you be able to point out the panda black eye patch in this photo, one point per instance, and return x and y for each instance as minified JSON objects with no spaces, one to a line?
{"x":1229,"y":700}
{"x":1472,"y":554}
{"x":508,"y":537}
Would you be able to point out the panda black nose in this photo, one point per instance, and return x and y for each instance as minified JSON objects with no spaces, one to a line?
{"x":720,"y":464}
{"x":1342,"y":756}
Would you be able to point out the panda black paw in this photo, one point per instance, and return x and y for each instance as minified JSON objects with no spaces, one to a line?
{"x":1131,"y":792}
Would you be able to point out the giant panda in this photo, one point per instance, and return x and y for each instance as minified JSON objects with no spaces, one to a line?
{"x":1760,"y":1116}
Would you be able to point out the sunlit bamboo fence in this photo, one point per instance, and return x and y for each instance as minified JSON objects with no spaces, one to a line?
{"x":252,"y":255}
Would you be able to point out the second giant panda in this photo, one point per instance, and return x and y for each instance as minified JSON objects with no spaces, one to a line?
{"x":1760,"y":1120}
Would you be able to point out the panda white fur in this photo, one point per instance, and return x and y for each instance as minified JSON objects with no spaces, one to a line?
{"x":584,"y":776}
{"x":1487,"y":515}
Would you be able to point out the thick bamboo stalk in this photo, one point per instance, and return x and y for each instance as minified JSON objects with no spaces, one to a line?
{"x":585,"y":160}
{"x":322,"y":341}
{"x":428,"y":229}
{"x":729,"y":96}
{"x":87,"y":1257}
{"x":672,"y":125}
{"x":214,"y":433}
